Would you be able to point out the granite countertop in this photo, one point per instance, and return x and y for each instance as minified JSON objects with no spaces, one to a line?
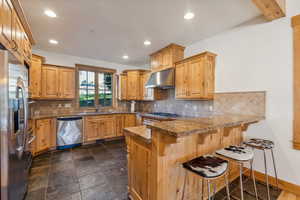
{"x":55,"y":115}
{"x":142,"y":132}
{"x":186,"y":126}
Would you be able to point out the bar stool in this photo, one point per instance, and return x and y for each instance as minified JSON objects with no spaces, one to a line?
{"x":209,"y":167}
{"x":241,"y":155}
{"x":262,"y":144}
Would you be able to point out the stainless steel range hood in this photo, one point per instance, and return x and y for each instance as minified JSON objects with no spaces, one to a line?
{"x":161,"y":79}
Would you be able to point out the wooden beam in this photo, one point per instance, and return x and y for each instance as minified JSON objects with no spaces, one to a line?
{"x":271,"y":9}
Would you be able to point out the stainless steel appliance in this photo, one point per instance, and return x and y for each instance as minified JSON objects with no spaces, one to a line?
{"x":69,"y":132}
{"x":15,"y":157}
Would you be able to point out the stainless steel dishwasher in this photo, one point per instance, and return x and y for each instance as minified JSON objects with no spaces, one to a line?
{"x":69,"y":132}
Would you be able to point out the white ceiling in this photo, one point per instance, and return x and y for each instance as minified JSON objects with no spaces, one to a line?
{"x":107,"y":29}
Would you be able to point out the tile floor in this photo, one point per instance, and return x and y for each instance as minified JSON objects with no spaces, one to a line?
{"x":93,"y":172}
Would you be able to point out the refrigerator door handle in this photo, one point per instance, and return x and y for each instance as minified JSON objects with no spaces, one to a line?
{"x":21,"y":86}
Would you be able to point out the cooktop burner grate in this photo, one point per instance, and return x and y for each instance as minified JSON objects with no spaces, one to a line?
{"x":162,"y":114}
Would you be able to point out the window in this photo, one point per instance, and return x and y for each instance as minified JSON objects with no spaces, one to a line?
{"x":95,"y":86}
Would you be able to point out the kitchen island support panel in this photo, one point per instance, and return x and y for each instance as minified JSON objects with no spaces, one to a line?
{"x":161,"y":175}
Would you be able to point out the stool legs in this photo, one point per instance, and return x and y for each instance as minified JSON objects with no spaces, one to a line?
{"x":203,"y":183}
{"x":241,"y":181}
{"x":275,"y":170}
{"x":227,"y":186}
{"x":253,"y":178}
{"x":266,"y":175}
{"x":208,"y":190}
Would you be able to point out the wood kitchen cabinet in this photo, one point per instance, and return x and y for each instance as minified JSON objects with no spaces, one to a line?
{"x":50,"y":82}
{"x":107,"y":126}
{"x":66,"y":83}
{"x":45,"y":133}
{"x":58,"y":82}
{"x":166,"y":57}
{"x":130,"y":120}
{"x":123,"y":87}
{"x":99,"y":127}
{"x":139,"y":168}
{"x":6,"y":22}
{"x":132,"y":86}
{"x":195,"y":76}
{"x":120,"y":119}
{"x":15,"y":34}
{"x":35,"y":74}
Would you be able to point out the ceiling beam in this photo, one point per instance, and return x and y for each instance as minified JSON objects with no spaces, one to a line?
{"x":271,"y":9}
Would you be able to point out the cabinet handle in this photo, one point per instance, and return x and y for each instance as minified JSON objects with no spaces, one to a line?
{"x":15,"y":47}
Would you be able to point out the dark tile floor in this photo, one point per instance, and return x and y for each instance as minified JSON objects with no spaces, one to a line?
{"x":93,"y":172}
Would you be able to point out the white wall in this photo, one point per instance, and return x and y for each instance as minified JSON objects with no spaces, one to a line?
{"x":258,"y":56}
{"x":70,"y":61}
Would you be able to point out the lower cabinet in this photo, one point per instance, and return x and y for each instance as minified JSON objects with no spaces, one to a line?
{"x":139,"y":168}
{"x":107,"y":126}
{"x":45,"y":133}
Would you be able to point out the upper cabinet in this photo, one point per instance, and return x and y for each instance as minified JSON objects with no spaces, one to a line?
{"x":35,"y":74}
{"x":58,"y":82}
{"x":15,"y":34}
{"x":166,"y":57}
{"x":195,"y":77}
{"x":132,"y":84}
{"x":49,"y":81}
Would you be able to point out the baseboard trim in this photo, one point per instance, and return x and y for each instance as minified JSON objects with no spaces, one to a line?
{"x":284,"y":185}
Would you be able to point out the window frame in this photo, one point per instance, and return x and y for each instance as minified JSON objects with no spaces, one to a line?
{"x":97,"y":70}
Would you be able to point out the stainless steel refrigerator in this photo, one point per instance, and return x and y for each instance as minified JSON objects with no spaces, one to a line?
{"x":15,"y":137}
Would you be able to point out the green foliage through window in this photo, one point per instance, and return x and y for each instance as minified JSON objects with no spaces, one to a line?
{"x":88,"y":87}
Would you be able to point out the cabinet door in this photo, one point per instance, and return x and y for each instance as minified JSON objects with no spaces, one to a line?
{"x":209,"y":82}
{"x":196,"y":78}
{"x":6,"y":17}
{"x":119,"y":125}
{"x":66,"y":83}
{"x":155,"y":59}
{"x":139,"y":160}
{"x":167,"y":58}
{"x":180,"y":80}
{"x":130,"y":120}
{"x":91,"y":130}
{"x":107,"y":127}
{"x":17,"y":35}
{"x":35,"y":72}
{"x":50,"y":82}
{"x":43,"y":134}
{"x":133,"y":78}
{"x":123,"y":87}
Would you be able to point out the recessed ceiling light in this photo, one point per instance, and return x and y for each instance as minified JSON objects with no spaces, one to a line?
{"x":125,"y":57}
{"x":53,"y":41}
{"x":147,"y":42}
{"x":189,"y":15}
{"x":50,"y":13}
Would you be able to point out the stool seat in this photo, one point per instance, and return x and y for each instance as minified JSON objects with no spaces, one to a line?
{"x":260,"y":143}
{"x":207,"y":166}
{"x":238,"y":153}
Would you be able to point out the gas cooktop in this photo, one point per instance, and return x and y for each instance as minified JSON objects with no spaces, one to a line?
{"x":162,"y":114}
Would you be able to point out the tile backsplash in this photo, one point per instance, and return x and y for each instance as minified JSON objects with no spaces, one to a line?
{"x":248,"y":103}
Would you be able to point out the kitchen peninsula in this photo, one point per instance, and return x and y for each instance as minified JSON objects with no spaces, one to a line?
{"x":155,"y":158}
